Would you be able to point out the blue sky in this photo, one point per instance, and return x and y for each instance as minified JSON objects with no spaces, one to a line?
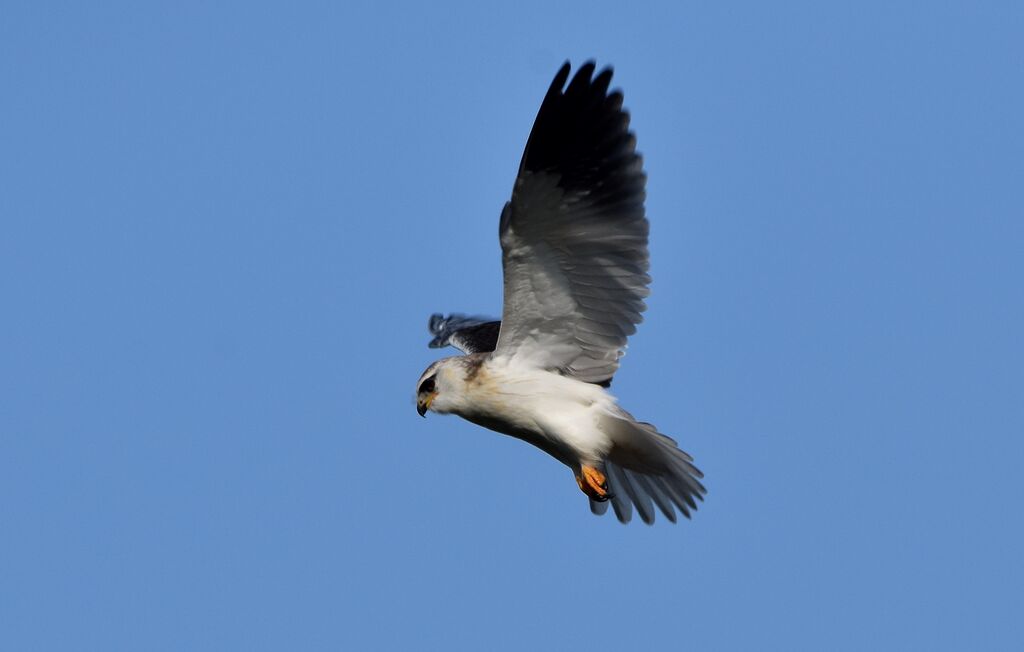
{"x":223,"y":229}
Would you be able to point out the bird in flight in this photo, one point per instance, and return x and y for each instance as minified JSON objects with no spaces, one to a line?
{"x":574,"y":257}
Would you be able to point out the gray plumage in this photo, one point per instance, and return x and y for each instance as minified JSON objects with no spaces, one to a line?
{"x":575,"y":262}
{"x":574,"y":235}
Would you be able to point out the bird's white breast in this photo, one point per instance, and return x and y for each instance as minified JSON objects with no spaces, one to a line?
{"x":522,"y":398}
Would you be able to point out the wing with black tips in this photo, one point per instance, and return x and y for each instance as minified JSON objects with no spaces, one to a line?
{"x":574,"y":235}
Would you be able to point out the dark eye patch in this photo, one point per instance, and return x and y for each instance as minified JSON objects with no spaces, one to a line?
{"x":427,"y":386}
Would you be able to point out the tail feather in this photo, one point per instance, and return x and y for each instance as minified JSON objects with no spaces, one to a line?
{"x":682,"y":503}
{"x":649,"y":485}
{"x":645,"y":468}
{"x":642,"y":502}
{"x":620,"y":501}
{"x":618,"y":492}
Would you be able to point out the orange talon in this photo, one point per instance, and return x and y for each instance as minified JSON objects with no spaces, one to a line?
{"x":593,"y":483}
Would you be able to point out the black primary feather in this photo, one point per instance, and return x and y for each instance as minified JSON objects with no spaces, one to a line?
{"x":589,"y":239}
{"x":582,"y":135}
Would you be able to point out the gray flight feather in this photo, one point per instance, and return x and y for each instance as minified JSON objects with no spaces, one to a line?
{"x":574,"y":235}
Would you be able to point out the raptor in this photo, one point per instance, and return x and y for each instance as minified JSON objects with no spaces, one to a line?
{"x":575,"y":262}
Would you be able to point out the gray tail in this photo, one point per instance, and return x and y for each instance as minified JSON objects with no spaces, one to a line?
{"x":647,"y":469}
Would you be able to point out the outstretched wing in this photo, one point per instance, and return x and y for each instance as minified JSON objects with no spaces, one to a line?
{"x":574,"y":235}
{"x":467,"y":334}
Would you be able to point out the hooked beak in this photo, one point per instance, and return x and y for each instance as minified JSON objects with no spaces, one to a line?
{"x":423,"y":405}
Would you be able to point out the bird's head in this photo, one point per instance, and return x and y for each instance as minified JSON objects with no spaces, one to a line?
{"x":440,"y":387}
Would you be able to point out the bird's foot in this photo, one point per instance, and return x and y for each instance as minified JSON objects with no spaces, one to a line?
{"x":593,"y":483}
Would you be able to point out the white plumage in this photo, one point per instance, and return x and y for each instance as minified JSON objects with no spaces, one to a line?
{"x":564,"y":411}
{"x":575,"y":260}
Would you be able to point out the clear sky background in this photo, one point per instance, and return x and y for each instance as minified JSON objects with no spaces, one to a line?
{"x":222,"y":230}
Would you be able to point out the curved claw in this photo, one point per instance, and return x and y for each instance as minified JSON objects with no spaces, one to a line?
{"x":593,"y":483}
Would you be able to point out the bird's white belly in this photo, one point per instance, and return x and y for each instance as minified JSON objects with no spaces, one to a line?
{"x":565,"y":411}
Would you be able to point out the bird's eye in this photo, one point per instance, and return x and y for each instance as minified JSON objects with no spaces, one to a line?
{"x":427,"y":386}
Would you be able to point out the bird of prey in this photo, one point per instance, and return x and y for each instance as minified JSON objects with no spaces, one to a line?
{"x":575,"y":261}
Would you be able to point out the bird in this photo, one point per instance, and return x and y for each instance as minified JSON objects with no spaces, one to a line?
{"x":574,"y":243}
